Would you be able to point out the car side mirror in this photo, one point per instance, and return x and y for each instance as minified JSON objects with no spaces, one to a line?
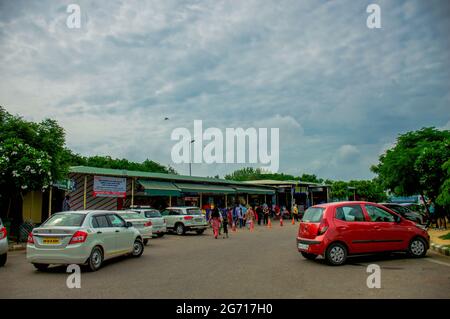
{"x":128,"y":224}
{"x":398,"y":219}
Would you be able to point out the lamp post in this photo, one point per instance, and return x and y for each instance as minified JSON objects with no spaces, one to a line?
{"x":190,"y":162}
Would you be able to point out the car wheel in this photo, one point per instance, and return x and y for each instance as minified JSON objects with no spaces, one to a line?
{"x":417,"y":247}
{"x":179,"y":229}
{"x":41,"y":267}
{"x":308,"y":256}
{"x":3,"y":259}
{"x":160,"y":235}
{"x":95,"y":259}
{"x":199,"y":232}
{"x":138,"y":248}
{"x":336,"y":254}
{"x":145,"y":242}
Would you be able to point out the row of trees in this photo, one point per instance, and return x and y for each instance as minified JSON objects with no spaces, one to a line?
{"x":34,"y":155}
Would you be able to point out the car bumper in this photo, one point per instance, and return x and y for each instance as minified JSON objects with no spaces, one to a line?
{"x":3,"y":246}
{"x":78,"y":254}
{"x":146,"y":233}
{"x":159,"y":230}
{"x":311,"y":246}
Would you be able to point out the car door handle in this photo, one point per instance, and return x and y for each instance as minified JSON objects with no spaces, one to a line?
{"x":376,"y":227}
{"x":99,"y":232}
{"x":117,"y":231}
{"x":342,"y":227}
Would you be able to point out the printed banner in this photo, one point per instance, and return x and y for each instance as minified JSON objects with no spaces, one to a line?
{"x":105,"y":186}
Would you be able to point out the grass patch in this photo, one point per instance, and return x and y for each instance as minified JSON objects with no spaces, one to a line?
{"x":445,"y":237}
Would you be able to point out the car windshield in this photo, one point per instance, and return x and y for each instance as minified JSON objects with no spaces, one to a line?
{"x":193,"y":211}
{"x":152,"y":213}
{"x":130,"y":215}
{"x":313,"y":215}
{"x":65,"y":219}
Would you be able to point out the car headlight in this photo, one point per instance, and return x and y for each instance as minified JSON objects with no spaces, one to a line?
{"x":422,"y":227}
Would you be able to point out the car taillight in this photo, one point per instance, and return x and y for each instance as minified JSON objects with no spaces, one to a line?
{"x":2,"y":232}
{"x":322,"y":228}
{"x":78,"y":237}
{"x":188,"y":217}
{"x":30,"y":238}
{"x":148,"y":224}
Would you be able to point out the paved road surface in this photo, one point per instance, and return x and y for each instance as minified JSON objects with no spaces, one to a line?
{"x":262,"y":264}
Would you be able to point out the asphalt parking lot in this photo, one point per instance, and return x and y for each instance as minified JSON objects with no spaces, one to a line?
{"x":262,"y":264}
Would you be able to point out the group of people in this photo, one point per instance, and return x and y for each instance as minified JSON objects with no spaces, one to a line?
{"x":241,"y":216}
{"x":437,"y":216}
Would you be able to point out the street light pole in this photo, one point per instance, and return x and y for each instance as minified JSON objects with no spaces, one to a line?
{"x":190,"y":161}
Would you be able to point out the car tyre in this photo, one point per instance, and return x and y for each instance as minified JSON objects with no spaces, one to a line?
{"x":308,"y":256}
{"x":160,"y":235}
{"x":417,"y":247}
{"x":95,"y":259}
{"x":138,"y":248}
{"x":41,"y":267}
{"x":179,"y":229}
{"x":336,"y":254}
{"x":3,"y":259}
{"x":199,"y":232}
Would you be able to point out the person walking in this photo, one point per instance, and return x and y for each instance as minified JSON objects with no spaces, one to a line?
{"x":266,"y":214}
{"x":259,"y":214}
{"x":66,"y":204}
{"x":215,"y":221}
{"x":250,"y":218}
{"x":432,"y":218}
{"x":225,"y":227}
{"x":295,"y":212}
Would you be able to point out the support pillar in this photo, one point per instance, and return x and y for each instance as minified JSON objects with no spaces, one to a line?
{"x":84,"y":194}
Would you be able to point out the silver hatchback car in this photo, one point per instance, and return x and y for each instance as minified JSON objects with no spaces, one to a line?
{"x":82,"y":237}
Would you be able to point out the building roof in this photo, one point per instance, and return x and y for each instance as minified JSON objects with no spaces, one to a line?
{"x":159,"y":176}
{"x":278,"y":183}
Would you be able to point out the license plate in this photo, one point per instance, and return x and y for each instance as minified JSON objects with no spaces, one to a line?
{"x":303,"y":246}
{"x":51,"y":241}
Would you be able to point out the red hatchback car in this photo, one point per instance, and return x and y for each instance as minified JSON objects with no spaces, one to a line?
{"x":337,"y":230}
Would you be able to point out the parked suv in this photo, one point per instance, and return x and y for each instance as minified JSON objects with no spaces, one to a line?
{"x":183,"y":219}
{"x":336,"y":230}
{"x":82,"y":237}
{"x":158,"y":222}
{"x":406,"y":212}
{"x":3,"y":244}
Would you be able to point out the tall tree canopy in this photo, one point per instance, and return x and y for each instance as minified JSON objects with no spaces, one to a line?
{"x":415,"y":165}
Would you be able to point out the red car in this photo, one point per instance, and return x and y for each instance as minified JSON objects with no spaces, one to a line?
{"x":337,"y":230}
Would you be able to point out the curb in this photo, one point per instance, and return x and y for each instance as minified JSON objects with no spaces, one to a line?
{"x":441,"y":249}
{"x":16,"y":247}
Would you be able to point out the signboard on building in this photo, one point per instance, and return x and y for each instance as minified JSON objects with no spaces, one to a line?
{"x":105,"y":186}
{"x":65,"y":184}
{"x":300,"y":189}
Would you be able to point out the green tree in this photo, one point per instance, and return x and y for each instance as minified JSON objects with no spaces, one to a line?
{"x":415,"y":164}
{"x":31,"y":158}
{"x":444,"y":195}
{"x":311,"y":178}
{"x":369,"y":190}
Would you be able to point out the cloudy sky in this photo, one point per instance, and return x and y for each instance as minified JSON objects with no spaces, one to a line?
{"x":339,"y":92}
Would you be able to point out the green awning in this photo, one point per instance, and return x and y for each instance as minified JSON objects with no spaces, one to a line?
{"x":154,"y":188}
{"x":254,"y":190}
{"x":204,"y":188}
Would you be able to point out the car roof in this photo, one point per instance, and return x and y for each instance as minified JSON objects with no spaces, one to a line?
{"x":182,"y":207}
{"x":85,"y":212}
{"x":324,"y":205}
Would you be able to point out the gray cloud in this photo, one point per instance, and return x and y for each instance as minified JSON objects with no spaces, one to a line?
{"x":312,"y":68}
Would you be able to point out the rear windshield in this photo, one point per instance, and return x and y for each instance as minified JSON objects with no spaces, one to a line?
{"x":152,"y":213}
{"x":313,"y":215}
{"x":130,"y":215}
{"x":65,"y":219}
{"x":194,"y":211}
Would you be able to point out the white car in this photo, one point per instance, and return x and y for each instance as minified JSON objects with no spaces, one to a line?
{"x":82,"y":237}
{"x":3,"y":244}
{"x":144,"y":225}
{"x":158,"y":222}
{"x":185,"y":218}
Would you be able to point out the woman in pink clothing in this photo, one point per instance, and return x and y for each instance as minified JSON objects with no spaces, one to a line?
{"x":215,"y":221}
